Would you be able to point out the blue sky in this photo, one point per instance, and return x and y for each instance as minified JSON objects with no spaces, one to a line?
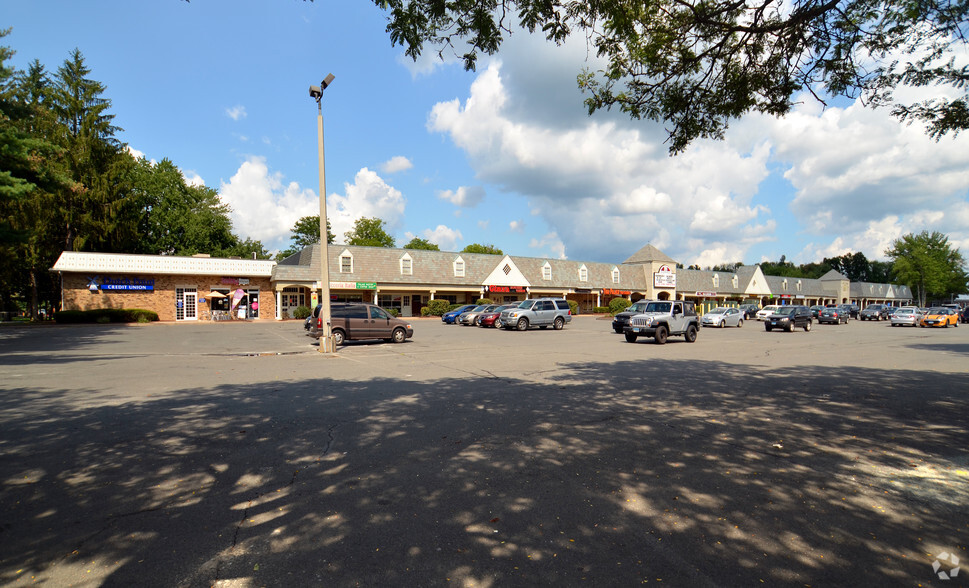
{"x":505,"y":155}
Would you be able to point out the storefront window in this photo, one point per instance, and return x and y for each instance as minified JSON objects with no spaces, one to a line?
{"x":391,"y":301}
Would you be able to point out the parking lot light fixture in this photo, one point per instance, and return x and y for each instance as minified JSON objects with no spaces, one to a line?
{"x":326,"y":340}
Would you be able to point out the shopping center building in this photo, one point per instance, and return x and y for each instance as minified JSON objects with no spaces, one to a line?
{"x":205,"y":288}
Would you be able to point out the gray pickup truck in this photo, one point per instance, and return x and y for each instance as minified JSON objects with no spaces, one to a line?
{"x":662,"y":319}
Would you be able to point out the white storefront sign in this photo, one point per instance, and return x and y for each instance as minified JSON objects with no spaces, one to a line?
{"x":664,"y":278}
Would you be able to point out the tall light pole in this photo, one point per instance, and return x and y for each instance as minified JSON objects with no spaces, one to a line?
{"x":326,"y":340}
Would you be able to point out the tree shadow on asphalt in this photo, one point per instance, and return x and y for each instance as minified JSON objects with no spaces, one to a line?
{"x":692,"y":472}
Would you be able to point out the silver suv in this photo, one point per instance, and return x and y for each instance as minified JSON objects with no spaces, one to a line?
{"x":537,"y":312}
{"x":661,"y":319}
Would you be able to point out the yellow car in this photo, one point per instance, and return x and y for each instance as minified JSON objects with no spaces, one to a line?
{"x":939,"y":317}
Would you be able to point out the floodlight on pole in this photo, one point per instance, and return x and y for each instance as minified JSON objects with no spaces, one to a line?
{"x":326,"y":339}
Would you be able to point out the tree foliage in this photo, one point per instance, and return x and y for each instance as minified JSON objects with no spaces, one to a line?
{"x":928,"y":264}
{"x":478,"y":248}
{"x":695,"y":65}
{"x":306,"y":231}
{"x":419,"y":243}
{"x":67,"y":182}
{"x":369,"y":232}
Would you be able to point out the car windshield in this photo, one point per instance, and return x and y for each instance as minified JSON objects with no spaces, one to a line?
{"x":904,"y":311}
{"x":639,"y":306}
{"x":719,"y":310}
{"x":784,"y":310}
{"x":526,"y":304}
{"x":478,"y":308}
{"x":658,"y":307}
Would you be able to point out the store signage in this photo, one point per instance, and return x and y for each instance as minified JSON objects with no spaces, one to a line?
{"x":353,"y":285}
{"x":128,"y":284}
{"x":664,"y":278}
{"x":706,"y":294}
{"x":611,"y":292}
{"x":506,"y":289}
{"x":236,"y":281}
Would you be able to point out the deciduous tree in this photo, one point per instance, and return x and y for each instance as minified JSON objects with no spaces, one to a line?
{"x":419,"y":243}
{"x":928,"y":264}
{"x":478,"y":248}
{"x":697,"y":64}
{"x":369,"y":232}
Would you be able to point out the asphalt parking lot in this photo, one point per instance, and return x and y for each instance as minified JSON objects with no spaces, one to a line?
{"x":237,"y":455}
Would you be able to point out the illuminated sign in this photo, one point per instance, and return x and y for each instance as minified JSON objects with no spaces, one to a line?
{"x":128,"y":284}
{"x":507,"y":289}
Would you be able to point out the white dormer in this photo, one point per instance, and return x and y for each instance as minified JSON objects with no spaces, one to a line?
{"x":346,"y":262}
{"x":547,"y":271}
{"x":615,"y":275}
{"x":716,"y":280}
{"x":459,"y":268}
{"x":406,"y":265}
{"x":583,"y":273}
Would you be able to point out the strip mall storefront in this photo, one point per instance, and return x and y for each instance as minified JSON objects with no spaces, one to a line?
{"x":177,"y":288}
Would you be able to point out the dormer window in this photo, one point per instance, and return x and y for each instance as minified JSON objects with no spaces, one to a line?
{"x":346,"y":263}
{"x":406,"y":265}
{"x":735,"y":281}
{"x":547,"y":271}
{"x":784,"y":285}
{"x":716,"y":280}
{"x":459,"y":268}
{"x":615,"y":275}
{"x":583,"y":274}
{"x":799,"y":285}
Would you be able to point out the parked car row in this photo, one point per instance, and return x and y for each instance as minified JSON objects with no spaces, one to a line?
{"x":534,"y":312}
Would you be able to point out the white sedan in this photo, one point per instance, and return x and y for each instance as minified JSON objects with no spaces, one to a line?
{"x":768,"y":310}
{"x":723,"y":316}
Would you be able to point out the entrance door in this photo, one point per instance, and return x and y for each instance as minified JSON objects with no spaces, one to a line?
{"x":186,"y":304}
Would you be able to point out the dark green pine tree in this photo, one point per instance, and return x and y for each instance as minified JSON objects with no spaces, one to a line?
{"x":29,"y":176}
{"x":101,"y":213}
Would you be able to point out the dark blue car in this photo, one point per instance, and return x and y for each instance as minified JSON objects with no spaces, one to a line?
{"x":448,"y":318}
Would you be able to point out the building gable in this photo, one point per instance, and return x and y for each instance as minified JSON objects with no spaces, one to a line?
{"x":506,"y":273}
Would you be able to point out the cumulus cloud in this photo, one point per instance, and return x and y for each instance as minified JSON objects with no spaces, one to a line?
{"x":444,"y":237}
{"x":465,"y":196}
{"x":395,"y":164}
{"x":615,"y":178}
{"x":369,"y":196}
{"x":263,"y":207}
{"x":548,"y":246}
{"x":237,"y":112}
{"x":516,"y":226}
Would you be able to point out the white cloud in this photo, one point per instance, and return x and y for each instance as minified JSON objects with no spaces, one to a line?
{"x":237,"y":112}
{"x":444,"y":237}
{"x":395,"y":164}
{"x":466,"y":196}
{"x":368,"y":197}
{"x":193,"y":179}
{"x":263,"y":207}
{"x":615,"y":178}
{"x":548,"y":246}
{"x":516,"y":226}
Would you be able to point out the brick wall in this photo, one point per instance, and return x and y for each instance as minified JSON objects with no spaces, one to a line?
{"x":77,"y":296}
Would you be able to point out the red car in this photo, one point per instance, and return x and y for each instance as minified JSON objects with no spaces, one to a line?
{"x":493,"y":318}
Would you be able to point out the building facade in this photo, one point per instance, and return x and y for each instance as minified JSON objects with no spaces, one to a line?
{"x":203,"y":288}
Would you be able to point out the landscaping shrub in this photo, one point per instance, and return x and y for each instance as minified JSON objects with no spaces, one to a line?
{"x":106,"y":315}
{"x":436,"y":308}
{"x":617,"y":305}
{"x":302,"y":312}
{"x":484,"y":301}
{"x":573,"y":307}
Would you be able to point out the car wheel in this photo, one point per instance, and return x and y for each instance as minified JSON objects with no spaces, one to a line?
{"x":740,"y":323}
{"x":690,"y":334}
{"x":399,"y":336}
{"x":558,"y":323}
{"x":768,"y":328}
{"x":522,"y":324}
{"x":497,"y":323}
{"x":790,"y":327}
{"x":338,"y":337}
{"x":807,"y":326}
{"x":631,"y":337}
{"x":660,"y":336}
{"x":618,"y":331}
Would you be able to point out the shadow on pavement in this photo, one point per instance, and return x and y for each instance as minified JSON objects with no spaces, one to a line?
{"x":689,"y":472}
